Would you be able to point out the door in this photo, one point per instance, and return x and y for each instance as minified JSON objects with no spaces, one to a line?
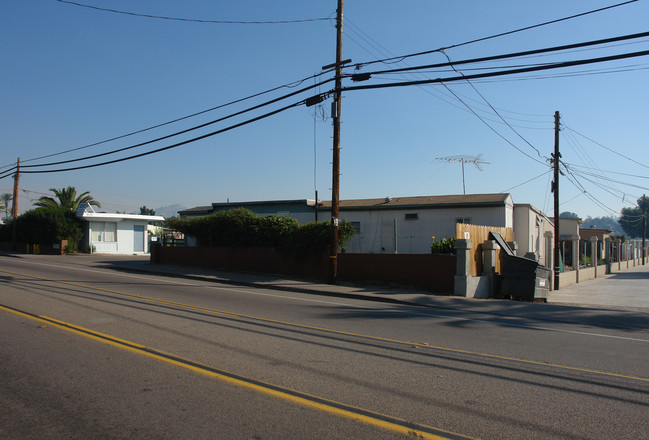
{"x":138,"y":238}
{"x":388,"y":237}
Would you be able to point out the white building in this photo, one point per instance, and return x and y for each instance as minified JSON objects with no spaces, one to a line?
{"x":392,"y":224}
{"x":106,"y":233}
{"x":533,"y":232}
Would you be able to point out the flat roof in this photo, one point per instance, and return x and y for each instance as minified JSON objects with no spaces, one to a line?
{"x":459,"y":200}
{"x":108,"y":217}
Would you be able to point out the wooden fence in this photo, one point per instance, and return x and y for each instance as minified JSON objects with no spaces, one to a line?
{"x":478,"y":235}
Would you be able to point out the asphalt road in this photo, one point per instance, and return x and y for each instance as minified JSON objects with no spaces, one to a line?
{"x":92,"y":353}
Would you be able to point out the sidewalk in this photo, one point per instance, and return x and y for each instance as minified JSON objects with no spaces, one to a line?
{"x":623,"y":290}
{"x":627,"y":290}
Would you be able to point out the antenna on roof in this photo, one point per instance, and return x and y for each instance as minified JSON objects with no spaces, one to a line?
{"x":475,"y":160}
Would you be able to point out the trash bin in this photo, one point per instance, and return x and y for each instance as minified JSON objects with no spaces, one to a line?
{"x":521,"y":278}
{"x":524,"y":279}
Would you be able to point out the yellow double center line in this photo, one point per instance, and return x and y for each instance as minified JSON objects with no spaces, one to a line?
{"x":339,"y":332}
{"x":366,"y":416}
{"x":340,"y":409}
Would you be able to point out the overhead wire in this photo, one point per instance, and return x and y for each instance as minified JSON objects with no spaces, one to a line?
{"x":193,"y":20}
{"x":169,"y":147}
{"x":572,"y":179}
{"x":227,"y":104}
{"x":574,"y":174}
{"x":527,"y":181}
{"x":614,"y":192}
{"x":264,"y":104}
{"x":579,"y":150}
{"x":473,"y":111}
{"x":583,"y":173}
{"x":607,"y":148}
{"x":573,"y":74}
{"x":608,"y":171}
{"x":403,"y":57}
{"x":381,"y":49}
{"x":557,"y":65}
{"x":490,"y":127}
{"x":375,"y":45}
{"x":493,"y":109}
{"x":511,"y":54}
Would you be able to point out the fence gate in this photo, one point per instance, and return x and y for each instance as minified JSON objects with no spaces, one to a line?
{"x":479,"y":234}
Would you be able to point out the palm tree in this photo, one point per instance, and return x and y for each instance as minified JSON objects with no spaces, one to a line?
{"x":67,"y":198}
{"x":5,"y":198}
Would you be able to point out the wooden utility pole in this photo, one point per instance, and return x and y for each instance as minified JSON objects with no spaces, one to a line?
{"x":644,"y":226}
{"x":335,"y":109}
{"x":555,"y":189}
{"x":14,"y":208}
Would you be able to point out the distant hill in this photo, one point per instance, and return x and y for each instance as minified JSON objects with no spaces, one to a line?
{"x":169,"y":211}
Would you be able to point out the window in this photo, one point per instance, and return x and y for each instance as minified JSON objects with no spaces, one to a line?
{"x":412,"y":216}
{"x":104,"y":231}
{"x":357,"y":227}
{"x":463,"y":220}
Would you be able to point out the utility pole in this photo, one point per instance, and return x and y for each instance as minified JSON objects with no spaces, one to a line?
{"x":335,"y":109}
{"x":14,"y":208}
{"x":644,"y":226}
{"x":555,"y":189}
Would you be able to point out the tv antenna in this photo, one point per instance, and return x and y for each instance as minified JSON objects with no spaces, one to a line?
{"x":475,"y":160}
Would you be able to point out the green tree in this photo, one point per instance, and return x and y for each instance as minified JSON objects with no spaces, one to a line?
{"x":632,"y":218}
{"x":4,"y":202}
{"x":67,"y":198}
{"x":45,"y":225}
{"x":568,"y":214}
{"x":146,"y":211}
{"x":606,"y":222}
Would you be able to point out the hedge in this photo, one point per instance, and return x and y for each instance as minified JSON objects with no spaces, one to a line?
{"x":240,"y":227}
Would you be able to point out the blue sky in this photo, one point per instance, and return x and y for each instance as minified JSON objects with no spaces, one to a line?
{"x":73,"y":76}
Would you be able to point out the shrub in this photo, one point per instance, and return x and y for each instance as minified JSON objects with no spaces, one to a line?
{"x":443,"y":246}
{"x":241,"y":227}
{"x":46,"y":226}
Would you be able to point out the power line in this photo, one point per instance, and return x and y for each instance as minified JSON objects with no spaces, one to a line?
{"x":492,"y":107}
{"x":550,"y":66}
{"x":591,"y":72}
{"x":527,"y":181}
{"x":441,"y":96}
{"x":193,"y":20}
{"x":512,"y":54}
{"x":621,"y":195}
{"x":607,"y":171}
{"x":583,"y":173}
{"x":377,"y":46}
{"x":607,"y":148}
{"x":572,"y":179}
{"x":183,"y":131}
{"x":490,"y":127}
{"x":169,"y":147}
{"x":236,"y":101}
{"x":403,"y":57}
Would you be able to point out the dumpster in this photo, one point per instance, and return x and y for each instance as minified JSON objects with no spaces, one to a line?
{"x":521,"y":278}
{"x":525,"y":279}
